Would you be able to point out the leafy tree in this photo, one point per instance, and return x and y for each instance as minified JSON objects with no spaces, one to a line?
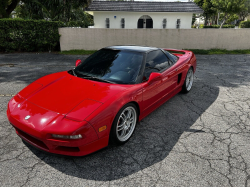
{"x":232,"y":18}
{"x":6,"y":7}
{"x":244,"y":13}
{"x":56,"y":10}
{"x":208,"y":8}
{"x":51,"y":9}
{"x":229,"y":8}
{"x":40,"y":9}
{"x":193,"y":18}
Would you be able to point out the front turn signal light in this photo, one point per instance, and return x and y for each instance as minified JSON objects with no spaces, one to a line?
{"x":73,"y":137}
{"x":102,"y":128}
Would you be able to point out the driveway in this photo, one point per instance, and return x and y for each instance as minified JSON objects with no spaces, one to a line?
{"x":197,"y":139}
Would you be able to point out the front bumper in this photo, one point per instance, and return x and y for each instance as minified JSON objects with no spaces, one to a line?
{"x":46,"y":143}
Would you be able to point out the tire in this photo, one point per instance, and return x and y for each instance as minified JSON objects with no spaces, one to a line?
{"x":124,"y":124}
{"x":189,"y":80}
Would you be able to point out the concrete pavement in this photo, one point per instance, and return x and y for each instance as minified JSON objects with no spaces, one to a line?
{"x":197,"y":139}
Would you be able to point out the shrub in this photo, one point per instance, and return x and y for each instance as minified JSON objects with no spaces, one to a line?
{"x":28,"y":35}
{"x":218,"y":26}
{"x":245,"y":24}
{"x":75,"y":24}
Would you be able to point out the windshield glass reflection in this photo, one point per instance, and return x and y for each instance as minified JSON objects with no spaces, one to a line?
{"x":117,"y":66}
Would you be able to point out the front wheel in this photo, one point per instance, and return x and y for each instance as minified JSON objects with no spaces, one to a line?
{"x":124,"y":124}
{"x":188,"y":81}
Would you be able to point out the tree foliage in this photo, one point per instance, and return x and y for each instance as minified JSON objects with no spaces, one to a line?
{"x":229,"y":7}
{"x":55,"y":10}
{"x":245,"y":24}
{"x":6,"y":7}
{"x":208,"y":8}
{"x":228,"y":10}
{"x":245,"y":12}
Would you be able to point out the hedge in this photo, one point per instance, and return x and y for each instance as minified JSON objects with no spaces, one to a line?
{"x":28,"y":35}
{"x":216,"y":26}
{"x":245,"y":24}
{"x":75,"y":24}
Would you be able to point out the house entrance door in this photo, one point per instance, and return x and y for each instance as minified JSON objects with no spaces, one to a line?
{"x":145,"y":22}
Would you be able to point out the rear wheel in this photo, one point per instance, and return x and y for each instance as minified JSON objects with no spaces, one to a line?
{"x":188,"y":81}
{"x":124,"y":124}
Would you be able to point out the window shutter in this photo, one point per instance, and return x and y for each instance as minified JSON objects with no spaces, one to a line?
{"x":107,"y":22}
{"x":178,"y":23}
{"x":164,"y":23}
{"x":123,"y":23}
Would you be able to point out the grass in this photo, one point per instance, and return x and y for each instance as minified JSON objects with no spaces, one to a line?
{"x":196,"y":51}
{"x":219,"y":51}
{"x":78,"y":52}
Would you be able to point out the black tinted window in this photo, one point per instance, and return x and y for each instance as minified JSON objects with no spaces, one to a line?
{"x":157,"y":59}
{"x":112,"y":65}
{"x":155,"y":62}
{"x":172,"y":57}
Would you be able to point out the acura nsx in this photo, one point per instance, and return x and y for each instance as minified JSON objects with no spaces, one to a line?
{"x":100,"y":101}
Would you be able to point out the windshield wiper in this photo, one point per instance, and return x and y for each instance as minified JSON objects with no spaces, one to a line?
{"x":96,"y":78}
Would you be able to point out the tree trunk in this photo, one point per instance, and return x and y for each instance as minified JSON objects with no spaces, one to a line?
{"x":218,"y":18}
{"x":224,"y":20}
{"x":215,"y":19}
{"x":205,"y":19}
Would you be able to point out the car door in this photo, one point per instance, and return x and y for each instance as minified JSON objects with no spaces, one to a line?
{"x":153,"y":91}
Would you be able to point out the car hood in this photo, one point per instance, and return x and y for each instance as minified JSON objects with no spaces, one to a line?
{"x":63,"y":93}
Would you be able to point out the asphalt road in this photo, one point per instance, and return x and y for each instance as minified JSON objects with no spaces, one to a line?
{"x":198,"y":139}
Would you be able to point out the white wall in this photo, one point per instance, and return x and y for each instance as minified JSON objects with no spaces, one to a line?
{"x":93,"y":39}
{"x":131,"y":19}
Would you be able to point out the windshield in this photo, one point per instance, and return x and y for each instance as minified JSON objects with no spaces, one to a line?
{"x":116,"y":66}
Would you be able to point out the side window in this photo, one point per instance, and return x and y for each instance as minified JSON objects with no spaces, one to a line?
{"x":172,"y":57}
{"x":155,"y":62}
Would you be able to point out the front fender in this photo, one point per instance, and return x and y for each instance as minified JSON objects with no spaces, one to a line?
{"x":105,"y":114}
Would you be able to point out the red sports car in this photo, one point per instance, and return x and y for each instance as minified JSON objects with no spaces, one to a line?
{"x":82,"y":110}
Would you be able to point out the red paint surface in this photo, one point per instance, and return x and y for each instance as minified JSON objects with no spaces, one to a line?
{"x":66,"y":105}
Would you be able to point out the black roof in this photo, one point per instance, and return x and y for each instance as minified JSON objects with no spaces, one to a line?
{"x":144,"y":6}
{"x":132,"y":48}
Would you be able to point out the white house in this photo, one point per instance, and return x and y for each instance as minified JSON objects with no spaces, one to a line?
{"x":142,"y":14}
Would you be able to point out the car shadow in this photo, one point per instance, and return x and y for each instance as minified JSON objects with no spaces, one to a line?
{"x":154,"y":138}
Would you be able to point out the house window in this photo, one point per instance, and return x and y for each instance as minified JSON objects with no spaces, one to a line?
{"x":107,"y":22}
{"x":164,"y":23}
{"x":178,"y":23}
{"x":123,"y":23}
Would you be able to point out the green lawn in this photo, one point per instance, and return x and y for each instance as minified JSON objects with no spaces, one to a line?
{"x":78,"y":52}
{"x":196,"y":51}
{"x":219,"y":51}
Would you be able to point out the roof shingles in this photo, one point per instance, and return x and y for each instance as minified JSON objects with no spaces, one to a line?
{"x":144,"y":6}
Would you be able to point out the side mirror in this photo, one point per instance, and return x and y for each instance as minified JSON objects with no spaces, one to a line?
{"x":78,"y":62}
{"x":153,"y":76}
